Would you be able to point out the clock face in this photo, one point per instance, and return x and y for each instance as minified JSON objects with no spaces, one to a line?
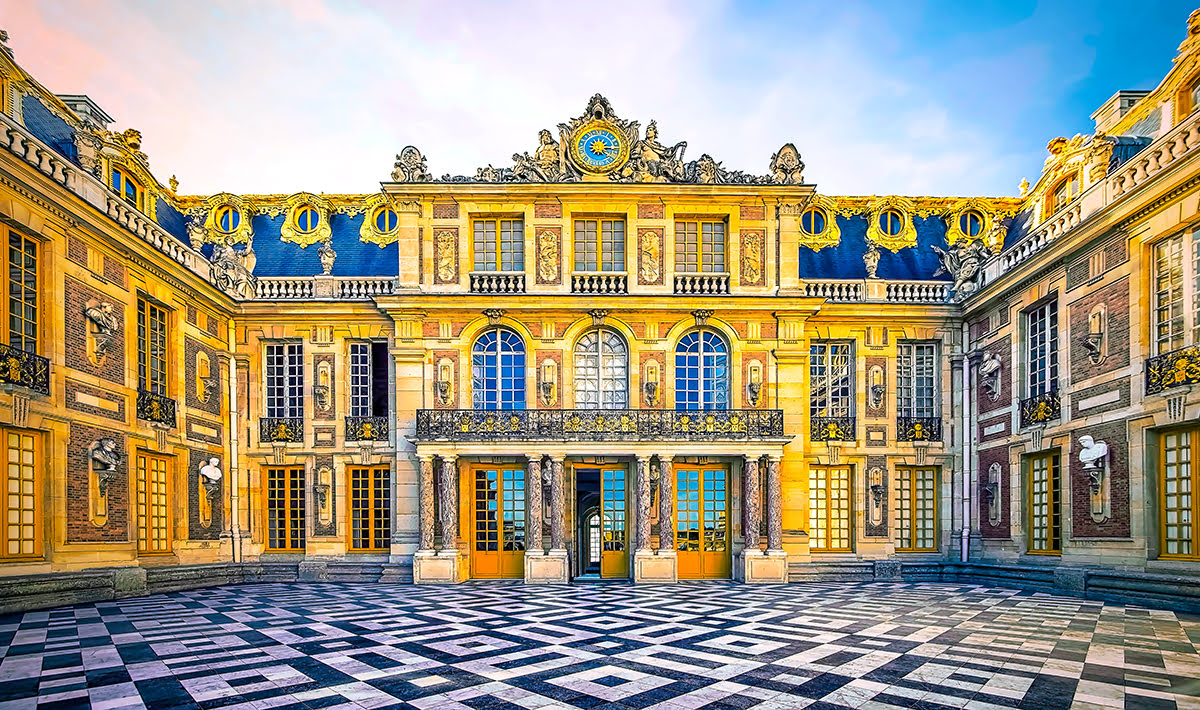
{"x":599,"y":148}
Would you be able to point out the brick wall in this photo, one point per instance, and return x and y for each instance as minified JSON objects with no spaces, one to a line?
{"x":764,"y":394}
{"x":330,"y":528}
{"x":1115,"y":297}
{"x":650,"y":210}
{"x":534,"y":399}
{"x":79,"y":525}
{"x":445,"y":210}
{"x":987,"y":457}
{"x":458,"y":382}
{"x":1098,"y":393}
{"x":331,"y":412}
{"x":114,"y":271}
{"x":645,"y":357}
{"x":76,"y":325}
{"x":547,"y":210}
{"x":1003,"y":348}
{"x":191,"y":348}
{"x":75,"y":389}
{"x":752,"y":212}
{"x":880,"y":411}
{"x":1082,"y":525}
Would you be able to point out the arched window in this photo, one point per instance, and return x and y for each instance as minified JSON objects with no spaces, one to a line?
{"x":702,"y":371}
{"x":129,"y":189}
{"x":498,"y":370}
{"x":228,"y":218}
{"x":601,"y":371}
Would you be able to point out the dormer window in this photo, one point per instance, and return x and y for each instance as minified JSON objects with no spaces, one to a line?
{"x":891,"y":222}
{"x":228,"y":218}
{"x":385,"y":220}
{"x":1064,"y":192}
{"x":971,"y":223}
{"x":129,"y":189}
{"x":307,"y":218}
{"x":813,"y":222}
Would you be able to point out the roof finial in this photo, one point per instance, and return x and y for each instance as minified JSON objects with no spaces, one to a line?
{"x":4,"y":43}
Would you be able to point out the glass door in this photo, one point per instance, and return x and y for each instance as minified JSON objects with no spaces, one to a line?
{"x":702,"y":522}
{"x":614,"y":556}
{"x":153,"y":507}
{"x":498,"y":529}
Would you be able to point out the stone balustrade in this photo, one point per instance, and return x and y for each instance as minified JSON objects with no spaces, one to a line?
{"x":701,"y":284}
{"x":286,"y":289}
{"x":497,"y":282}
{"x":834,"y":290}
{"x":599,"y":282}
{"x":918,"y":291}
{"x":356,"y":289}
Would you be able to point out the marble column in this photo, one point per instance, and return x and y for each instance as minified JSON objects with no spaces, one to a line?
{"x":666,"y":504}
{"x":448,"y":499}
{"x":753,"y":513}
{"x":774,"y":505}
{"x":642,"y":504}
{"x":533,"y":493}
{"x":558,"y":539}
{"x":425,"y":512}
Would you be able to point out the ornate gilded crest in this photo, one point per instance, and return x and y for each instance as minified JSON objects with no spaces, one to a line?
{"x":547,"y":256}
{"x":445,"y":242}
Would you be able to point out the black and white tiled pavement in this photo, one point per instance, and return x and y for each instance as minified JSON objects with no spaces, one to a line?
{"x":498,"y":645}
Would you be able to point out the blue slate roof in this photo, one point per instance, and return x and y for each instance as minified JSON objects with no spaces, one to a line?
{"x":276,"y":258}
{"x":1126,"y":148}
{"x":172,"y":220}
{"x":49,"y":128}
{"x":845,"y":261}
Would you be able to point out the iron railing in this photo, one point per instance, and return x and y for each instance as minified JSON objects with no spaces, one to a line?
{"x":280,"y":429}
{"x":1040,"y":409}
{"x":366,"y":428}
{"x":598,"y":425}
{"x":919,"y":428}
{"x":831,"y":428}
{"x":1174,"y":369}
{"x":23,"y":369}
{"x":155,"y":408}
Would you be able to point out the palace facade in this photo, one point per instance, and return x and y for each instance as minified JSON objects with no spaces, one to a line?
{"x":607,"y":361}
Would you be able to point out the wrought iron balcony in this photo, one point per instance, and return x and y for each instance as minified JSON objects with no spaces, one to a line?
{"x":156,"y":408}
{"x":23,"y":369}
{"x":599,"y":425}
{"x":366,"y":428}
{"x":273,"y":430}
{"x":831,"y":429}
{"x":1040,"y":409}
{"x":919,"y":428}
{"x":1177,"y":368}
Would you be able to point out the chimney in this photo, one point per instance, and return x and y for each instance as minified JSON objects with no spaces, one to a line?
{"x":1112,"y":110}
{"x":86,"y":109}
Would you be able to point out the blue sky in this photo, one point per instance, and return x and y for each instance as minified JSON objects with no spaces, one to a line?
{"x":880,"y":98}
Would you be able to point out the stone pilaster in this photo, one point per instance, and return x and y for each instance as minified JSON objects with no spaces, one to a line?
{"x":549,"y":566}
{"x":657,"y":566}
{"x":774,"y":505}
{"x":750,"y":501}
{"x":558,"y":540}
{"x":426,"y":509}
{"x":642,"y":504}
{"x":533,"y":518}
{"x":448,"y":500}
{"x":666,"y":504}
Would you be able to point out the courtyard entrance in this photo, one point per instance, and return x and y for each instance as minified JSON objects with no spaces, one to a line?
{"x":498,"y":524}
{"x":702,"y":522}
{"x":602,"y":529}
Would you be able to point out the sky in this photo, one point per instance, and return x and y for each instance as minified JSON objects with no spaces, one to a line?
{"x":899,"y":97}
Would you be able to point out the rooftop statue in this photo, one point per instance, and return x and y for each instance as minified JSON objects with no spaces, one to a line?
{"x":964,"y":261}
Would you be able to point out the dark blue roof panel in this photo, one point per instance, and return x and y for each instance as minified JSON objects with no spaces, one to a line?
{"x":49,"y":128}
{"x":845,"y":261}
{"x":172,"y":220}
{"x":276,"y":258}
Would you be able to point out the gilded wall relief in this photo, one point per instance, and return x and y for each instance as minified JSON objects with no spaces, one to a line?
{"x":650,"y":247}
{"x":445,"y":256}
{"x":306,"y":219}
{"x":549,"y":261}
{"x":753,"y":262}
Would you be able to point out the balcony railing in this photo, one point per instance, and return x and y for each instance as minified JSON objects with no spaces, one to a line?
{"x":919,"y":428}
{"x":273,"y":430}
{"x":599,"y":282}
{"x":1174,"y":369}
{"x":497,"y":282}
{"x":701,"y":284}
{"x":155,"y":408}
{"x":23,"y":369}
{"x":599,"y":425}
{"x":366,"y":428}
{"x":831,"y":429}
{"x":1040,"y":409}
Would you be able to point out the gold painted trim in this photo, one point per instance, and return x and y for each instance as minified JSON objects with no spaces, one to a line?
{"x":290,"y":231}
{"x":367,"y":232}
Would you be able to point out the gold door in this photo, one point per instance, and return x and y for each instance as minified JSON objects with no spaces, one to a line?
{"x":498,"y":528}
{"x":153,"y":507}
{"x":614,"y":553}
{"x":702,"y":522}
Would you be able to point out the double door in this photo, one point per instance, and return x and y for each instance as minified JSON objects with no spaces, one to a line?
{"x":702,"y":522}
{"x":498,"y":522}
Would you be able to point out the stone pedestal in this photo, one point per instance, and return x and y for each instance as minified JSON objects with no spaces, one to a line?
{"x":312,"y":571}
{"x":439,"y":567}
{"x":651,"y":568}
{"x":548,"y":568}
{"x":762,"y":567}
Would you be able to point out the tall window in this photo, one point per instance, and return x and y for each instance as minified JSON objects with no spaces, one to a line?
{"x":700,"y":247}
{"x":499,"y":244}
{"x":1045,"y":505}
{"x":498,"y":370}
{"x":829,"y":508}
{"x":368,"y":379}
{"x":22,"y":512}
{"x":285,"y":509}
{"x":831,"y":379}
{"x":916,"y":514}
{"x":20,"y":304}
{"x":1064,"y":192}
{"x":1179,"y":484}
{"x":285,"y":380}
{"x":1043,"y":349}
{"x":916,"y":379}
{"x":601,"y":371}
{"x":152,"y":347}
{"x":701,"y":371}
{"x":1176,"y":292}
{"x":599,"y":245}
{"x":129,"y":189}
{"x":370,"y":509}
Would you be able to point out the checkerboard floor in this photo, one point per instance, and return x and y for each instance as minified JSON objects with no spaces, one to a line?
{"x":499,"y":645}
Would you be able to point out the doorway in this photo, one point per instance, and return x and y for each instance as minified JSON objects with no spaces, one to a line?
{"x":702,"y":522}
{"x":498,"y":522}
{"x":602,"y":537}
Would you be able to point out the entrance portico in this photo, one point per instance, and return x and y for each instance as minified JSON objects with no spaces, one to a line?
{"x":696,"y":497}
